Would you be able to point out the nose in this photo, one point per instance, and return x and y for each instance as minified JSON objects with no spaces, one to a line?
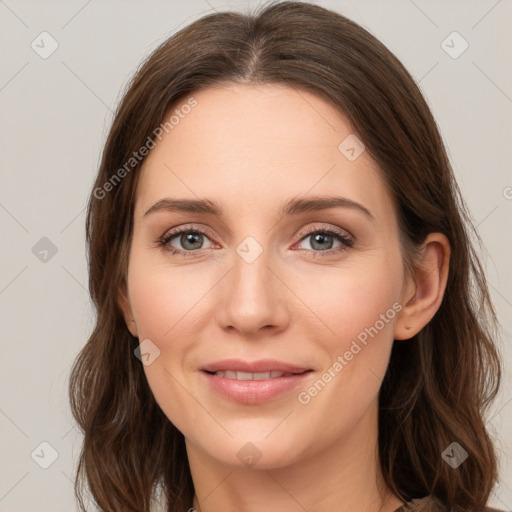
{"x":254,"y":298}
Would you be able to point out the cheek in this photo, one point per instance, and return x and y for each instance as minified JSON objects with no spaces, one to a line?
{"x":157,"y":310}
{"x":164,"y":300}
{"x":359,"y":307}
{"x":350,"y":302}
{"x":168,"y":308}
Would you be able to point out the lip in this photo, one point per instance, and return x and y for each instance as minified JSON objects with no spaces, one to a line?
{"x":262,"y":365}
{"x":252,"y":392}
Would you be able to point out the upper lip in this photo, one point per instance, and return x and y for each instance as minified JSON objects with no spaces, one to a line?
{"x":263,"y":365}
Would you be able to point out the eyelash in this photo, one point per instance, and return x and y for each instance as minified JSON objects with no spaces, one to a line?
{"x":345,"y":240}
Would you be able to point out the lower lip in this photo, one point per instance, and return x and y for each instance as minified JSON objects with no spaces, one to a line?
{"x":254,"y":391}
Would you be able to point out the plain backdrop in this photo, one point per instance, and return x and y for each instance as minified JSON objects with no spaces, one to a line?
{"x":55,"y":113}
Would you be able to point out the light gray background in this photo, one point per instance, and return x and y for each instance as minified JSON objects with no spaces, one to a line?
{"x":55,"y":115}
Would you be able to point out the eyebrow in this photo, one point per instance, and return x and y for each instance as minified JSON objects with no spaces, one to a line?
{"x":293,"y":206}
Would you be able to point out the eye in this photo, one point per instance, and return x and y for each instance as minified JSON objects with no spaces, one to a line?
{"x":188,"y":240}
{"x":323,"y":240}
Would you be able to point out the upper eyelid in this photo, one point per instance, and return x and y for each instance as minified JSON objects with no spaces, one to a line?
{"x":180,"y":229}
{"x":329,"y":229}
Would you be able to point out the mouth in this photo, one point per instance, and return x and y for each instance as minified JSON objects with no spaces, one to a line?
{"x":238,"y":375}
{"x":261,"y":366}
{"x":255,"y":382}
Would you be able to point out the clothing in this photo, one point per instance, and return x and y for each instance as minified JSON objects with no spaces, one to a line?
{"x":429,"y":504}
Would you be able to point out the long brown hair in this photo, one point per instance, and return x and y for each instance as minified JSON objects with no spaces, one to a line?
{"x":438,"y":384}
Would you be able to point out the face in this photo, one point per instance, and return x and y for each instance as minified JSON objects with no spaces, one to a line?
{"x":271,"y":320}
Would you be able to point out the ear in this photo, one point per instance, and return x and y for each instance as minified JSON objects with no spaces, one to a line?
{"x":123,"y":301}
{"x":424,"y":290}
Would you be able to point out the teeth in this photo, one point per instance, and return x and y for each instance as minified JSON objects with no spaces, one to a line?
{"x":261,"y":376}
{"x":251,"y":376}
{"x":244,"y":376}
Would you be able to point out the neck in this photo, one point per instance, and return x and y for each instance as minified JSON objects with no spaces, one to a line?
{"x":343,"y":477}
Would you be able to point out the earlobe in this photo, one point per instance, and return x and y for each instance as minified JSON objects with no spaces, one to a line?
{"x":123,"y":302}
{"x":425,"y":290}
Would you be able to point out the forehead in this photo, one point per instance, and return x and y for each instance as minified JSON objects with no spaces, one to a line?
{"x":257,"y":145}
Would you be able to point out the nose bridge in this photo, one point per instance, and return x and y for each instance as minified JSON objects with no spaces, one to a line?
{"x":251,"y":295}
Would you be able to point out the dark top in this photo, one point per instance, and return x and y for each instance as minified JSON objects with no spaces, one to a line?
{"x":429,"y":504}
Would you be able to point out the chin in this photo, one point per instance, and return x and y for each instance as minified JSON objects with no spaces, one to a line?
{"x":258,"y":451}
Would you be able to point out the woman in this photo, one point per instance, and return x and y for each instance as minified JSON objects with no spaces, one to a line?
{"x":236,"y":364}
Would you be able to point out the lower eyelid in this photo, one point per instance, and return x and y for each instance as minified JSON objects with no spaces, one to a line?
{"x":344,"y":244}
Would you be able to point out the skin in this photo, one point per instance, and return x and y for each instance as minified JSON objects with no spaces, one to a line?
{"x":251,"y":148}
